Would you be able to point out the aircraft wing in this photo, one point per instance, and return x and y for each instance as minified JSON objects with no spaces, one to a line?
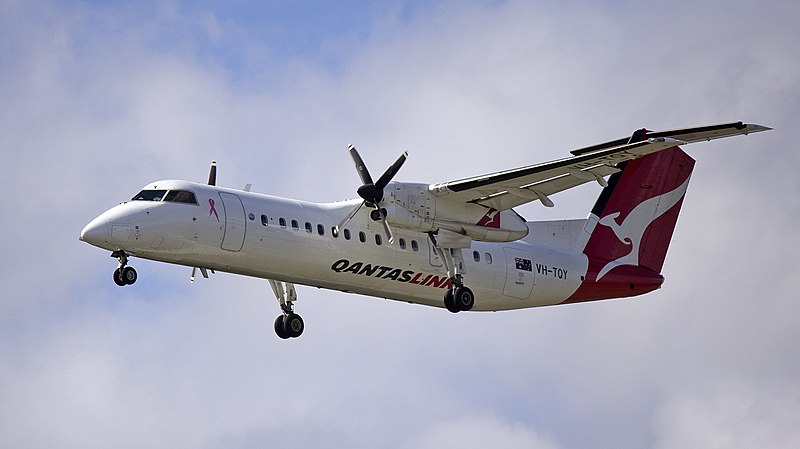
{"x":506,"y":189}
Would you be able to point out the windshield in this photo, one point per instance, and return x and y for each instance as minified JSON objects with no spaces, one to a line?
{"x":149,"y":195}
{"x":181,"y":196}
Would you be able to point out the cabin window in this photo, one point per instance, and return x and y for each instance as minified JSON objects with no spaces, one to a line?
{"x":181,"y":196}
{"x":335,"y":232}
{"x":308,"y":227}
{"x":282,"y":222}
{"x":414,"y":245}
{"x":347,"y":234}
{"x":149,"y":195}
{"x":402,"y":243}
{"x":295,"y":225}
{"x":362,"y":237}
{"x":476,"y":256}
{"x":263,"y":219}
{"x":488,"y":258}
{"x":320,"y":229}
{"x":378,"y":240}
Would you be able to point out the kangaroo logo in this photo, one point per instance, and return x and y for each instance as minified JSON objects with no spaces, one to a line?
{"x":632,"y":229}
{"x":491,"y":219}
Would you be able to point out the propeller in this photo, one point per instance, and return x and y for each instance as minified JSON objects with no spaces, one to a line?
{"x":372,"y":191}
{"x":212,"y":174}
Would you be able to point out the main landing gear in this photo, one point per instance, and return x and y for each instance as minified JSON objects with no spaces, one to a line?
{"x":290,"y":324}
{"x":123,"y":275}
{"x":457,"y":298}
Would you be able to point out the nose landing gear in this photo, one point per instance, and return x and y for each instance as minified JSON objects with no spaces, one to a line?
{"x":290,"y":324}
{"x":123,"y":275}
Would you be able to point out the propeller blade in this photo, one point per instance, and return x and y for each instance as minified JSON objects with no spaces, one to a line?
{"x":212,"y":174}
{"x":349,"y":217}
{"x":391,"y":171}
{"x":388,"y":230}
{"x":360,"y":166}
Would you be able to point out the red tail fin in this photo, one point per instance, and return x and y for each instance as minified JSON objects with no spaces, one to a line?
{"x":631,"y":226}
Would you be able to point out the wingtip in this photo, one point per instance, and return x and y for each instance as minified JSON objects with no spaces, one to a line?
{"x":753,"y":128}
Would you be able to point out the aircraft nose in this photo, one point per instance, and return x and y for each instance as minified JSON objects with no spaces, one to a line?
{"x":96,"y":232}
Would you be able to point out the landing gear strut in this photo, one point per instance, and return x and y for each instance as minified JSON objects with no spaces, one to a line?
{"x":289,"y":324}
{"x":457,"y":298}
{"x":123,"y":275}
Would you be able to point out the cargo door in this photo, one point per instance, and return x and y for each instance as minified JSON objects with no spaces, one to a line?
{"x":519,"y":273}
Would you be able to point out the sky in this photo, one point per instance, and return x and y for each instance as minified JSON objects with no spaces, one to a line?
{"x":98,"y":99}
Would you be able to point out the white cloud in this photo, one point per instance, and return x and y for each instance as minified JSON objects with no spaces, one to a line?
{"x":730,"y":414}
{"x":480,"y":432}
{"x":97,"y":103}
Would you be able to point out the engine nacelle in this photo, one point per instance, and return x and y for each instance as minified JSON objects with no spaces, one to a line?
{"x":412,"y":206}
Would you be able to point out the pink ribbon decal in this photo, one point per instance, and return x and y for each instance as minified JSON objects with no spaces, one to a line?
{"x":212,"y":210}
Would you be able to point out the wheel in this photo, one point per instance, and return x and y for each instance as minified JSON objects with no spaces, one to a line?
{"x":279,"y":327}
{"x":463,"y":298}
{"x":450,"y":302}
{"x":129,"y":275}
{"x":118,"y":278}
{"x":293,"y":325}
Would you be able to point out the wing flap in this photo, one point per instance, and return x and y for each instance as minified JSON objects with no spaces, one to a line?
{"x":506,"y":189}
{"x":515,"y":196}
{"x":473,"y":189}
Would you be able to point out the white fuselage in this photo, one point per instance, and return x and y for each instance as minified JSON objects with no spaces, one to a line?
{"x":294,"y":241}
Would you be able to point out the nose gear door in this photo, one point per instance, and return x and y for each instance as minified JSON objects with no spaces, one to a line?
{"x":235,"y":223}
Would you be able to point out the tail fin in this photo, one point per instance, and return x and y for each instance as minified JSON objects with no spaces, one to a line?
{"x":631,"y":225}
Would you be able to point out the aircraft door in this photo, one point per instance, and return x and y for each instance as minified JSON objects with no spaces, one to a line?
{"x":235,"y":223}
{"x":519,"y":273}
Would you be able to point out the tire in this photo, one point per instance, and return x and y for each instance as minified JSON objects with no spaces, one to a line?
{"x":464,"y":298}
{"x":129,"y":275}
{"x":293,"y":325}
{"x":118,"y":278}
{"x":279,"y":327}
{"x":449,"y":301}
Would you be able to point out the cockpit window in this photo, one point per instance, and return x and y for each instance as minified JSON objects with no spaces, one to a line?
{"x":149,"y":195}
{"x":181,"y":196}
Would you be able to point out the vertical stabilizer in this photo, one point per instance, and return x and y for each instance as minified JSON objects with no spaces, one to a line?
{"x":631,"y":225}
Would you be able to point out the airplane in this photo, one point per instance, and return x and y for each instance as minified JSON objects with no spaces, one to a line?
{"x":457,"y":245}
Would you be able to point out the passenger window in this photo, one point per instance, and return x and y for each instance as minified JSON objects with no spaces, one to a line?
{"x":295,"y":226}
{"x":334,"y":232}
{"x":149,"y":195}
{"x":476,"y":256}
{"x":362,"y":237}
{"x":181,"y":196}
{"x":402,"y":243}
{"x":347,"y":234}
{"x":263,"y":219}
{"x":414,"y":245}
{"x":378,"y":239}
{"x":488,"y":258}
{"x":308,"y":227}
{"x":320,"y":229}
{"x":282,"y":222}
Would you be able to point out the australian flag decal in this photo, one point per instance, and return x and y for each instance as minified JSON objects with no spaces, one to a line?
{"x":523,"y":264}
